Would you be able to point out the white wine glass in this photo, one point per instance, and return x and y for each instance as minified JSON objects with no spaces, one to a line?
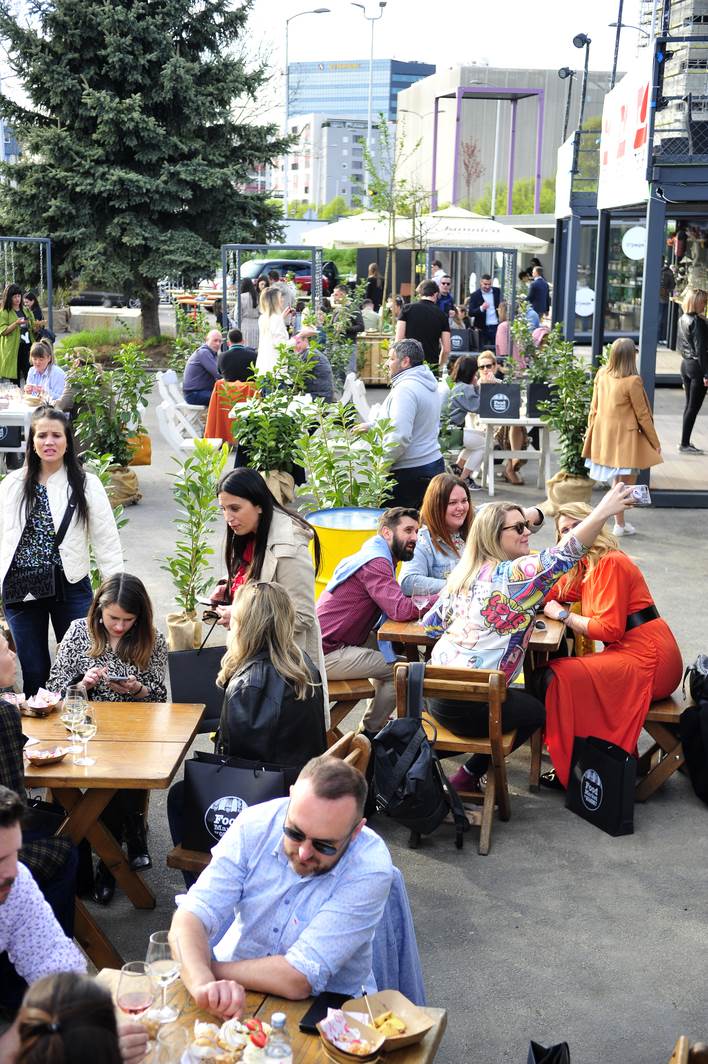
{"x":136,"y":989}
{"x":75,"y":703}
{"x":165,"y":964}
{"x":419,"y":598}
{"x":85,"y":729}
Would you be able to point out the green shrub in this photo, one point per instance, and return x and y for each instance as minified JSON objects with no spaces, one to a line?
{"x":111,"y":336}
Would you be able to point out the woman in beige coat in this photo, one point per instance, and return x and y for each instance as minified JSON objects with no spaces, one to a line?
{"x":269,"y":544}
{"x":621,"y":439}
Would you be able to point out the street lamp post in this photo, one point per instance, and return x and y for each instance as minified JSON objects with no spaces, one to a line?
{"x":312,"y":11}
{"x":581,"y":40}
{"x":567,"y":74}
{"x":619,"y":25}
{"x":372,"y":19}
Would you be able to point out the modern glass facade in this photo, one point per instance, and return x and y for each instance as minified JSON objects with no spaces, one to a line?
{"x":342,"y":88}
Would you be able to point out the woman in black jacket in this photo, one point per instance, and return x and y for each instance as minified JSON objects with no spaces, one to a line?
{"x":692,"y":345}
{"x":273,"y":704}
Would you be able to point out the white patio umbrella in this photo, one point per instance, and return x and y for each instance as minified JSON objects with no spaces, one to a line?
{"x":365,"y":230}
{"x":456,"y":227}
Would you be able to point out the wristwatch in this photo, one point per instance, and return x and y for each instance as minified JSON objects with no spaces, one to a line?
{"x":563,"y":615}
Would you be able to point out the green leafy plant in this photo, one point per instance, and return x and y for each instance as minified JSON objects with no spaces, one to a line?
{"x":337,"y":345}
{"x":100,"y":464}
{"x":194,"y":491}
{"x":97,"y":339}
{"x":344,"y":468}
{"x":568,"y":408}
{"x":269,"y":425}
{"x":131,"y":383}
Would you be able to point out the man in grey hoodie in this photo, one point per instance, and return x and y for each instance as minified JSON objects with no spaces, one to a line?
{"x":413,"y":408}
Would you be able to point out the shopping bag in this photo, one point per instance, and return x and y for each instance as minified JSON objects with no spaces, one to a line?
{"x":499,"y":400}
{"x":218,"y":789}
{"x":559,"y":1054}
{"x":601,"y":785}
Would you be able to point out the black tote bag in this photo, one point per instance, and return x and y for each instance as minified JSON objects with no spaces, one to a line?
{"x":218,"y":789}
{"x":558,"y":1054}
{"x":601,"y":785}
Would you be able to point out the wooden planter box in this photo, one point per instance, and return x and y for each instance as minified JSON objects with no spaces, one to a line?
{"x":372,"y":353}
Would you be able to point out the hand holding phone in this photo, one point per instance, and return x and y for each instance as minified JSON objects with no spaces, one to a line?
{"x":640,"y":495}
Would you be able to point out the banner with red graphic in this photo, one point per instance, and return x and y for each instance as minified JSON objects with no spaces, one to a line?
{"x":624,"y":144}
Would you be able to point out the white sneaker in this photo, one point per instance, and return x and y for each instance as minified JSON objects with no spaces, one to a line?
{"x":624,"y":530}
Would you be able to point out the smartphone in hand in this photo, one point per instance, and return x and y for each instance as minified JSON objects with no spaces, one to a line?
{"x":641,"y":495}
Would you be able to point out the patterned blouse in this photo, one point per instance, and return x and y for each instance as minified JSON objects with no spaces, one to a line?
{"x":37,"y":544}
{"x":73,"y":662}
{"x":489,"y":626}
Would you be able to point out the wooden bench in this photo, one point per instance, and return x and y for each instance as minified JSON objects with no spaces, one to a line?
{"x":665,"y":755}
{"x":354,"y":749}
{"x":344,"y":696}
{"x":685,"y":1053}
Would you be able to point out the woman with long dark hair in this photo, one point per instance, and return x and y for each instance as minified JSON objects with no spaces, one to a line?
{"x":266,"y":542}
{"x":249,"y":312}
{"x":117,"y":654}
{"x":16,"y":334}
{"x":52,"y":513}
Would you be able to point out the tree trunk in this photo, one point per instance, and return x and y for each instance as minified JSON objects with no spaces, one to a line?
{"x":150,"y":307}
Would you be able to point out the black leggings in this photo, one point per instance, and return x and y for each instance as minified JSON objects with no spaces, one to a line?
{"x":471,"y":720}
{"x":695,"y":391}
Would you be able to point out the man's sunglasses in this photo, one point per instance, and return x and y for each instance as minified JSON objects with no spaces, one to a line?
{"x":327,"y":849}
{"x":518,"y":527}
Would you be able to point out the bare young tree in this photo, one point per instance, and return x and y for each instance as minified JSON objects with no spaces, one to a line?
{"x":471,"y":165}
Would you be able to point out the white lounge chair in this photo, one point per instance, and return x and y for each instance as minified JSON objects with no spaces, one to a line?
{"x":177,"y":431}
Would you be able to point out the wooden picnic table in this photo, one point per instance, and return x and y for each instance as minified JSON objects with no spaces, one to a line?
{"x":544,"y":641}
{"x":306,"y":1047}
{"x":138,"y":746}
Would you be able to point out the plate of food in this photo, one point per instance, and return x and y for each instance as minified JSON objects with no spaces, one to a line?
{"x":232,"y":1042}
{"x":346,"y":1038}
{"x":47,"y":755}
{"x":395,"y":1017}
{"x":41,"y":704}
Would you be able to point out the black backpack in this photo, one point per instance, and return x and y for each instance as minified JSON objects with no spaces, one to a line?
{"x":693,"y":729}
{"x":409,"y":781}
{"x":697,"y":675}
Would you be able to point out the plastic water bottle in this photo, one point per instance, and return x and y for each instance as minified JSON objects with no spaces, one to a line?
{"x":278,"y":1045}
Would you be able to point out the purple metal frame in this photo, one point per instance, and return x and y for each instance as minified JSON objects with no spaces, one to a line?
{"x":489,"y":92}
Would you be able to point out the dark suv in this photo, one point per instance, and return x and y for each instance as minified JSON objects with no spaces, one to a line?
{"x":302,"y":268}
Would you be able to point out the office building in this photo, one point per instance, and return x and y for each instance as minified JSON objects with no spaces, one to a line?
{"x":341,"y":89}
{"x":9,"y":148}
{"x":484,"y":123}
{"x":329,"y":159}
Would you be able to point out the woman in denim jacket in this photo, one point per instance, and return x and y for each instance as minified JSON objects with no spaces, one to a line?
{"x":446,"y":515}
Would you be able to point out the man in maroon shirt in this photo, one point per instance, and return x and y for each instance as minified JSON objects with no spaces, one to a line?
{"x":362,"y":592}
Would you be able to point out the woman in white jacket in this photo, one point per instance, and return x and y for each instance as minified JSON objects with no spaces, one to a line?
{"x":272,"y":328}
{"x":51,"y":513}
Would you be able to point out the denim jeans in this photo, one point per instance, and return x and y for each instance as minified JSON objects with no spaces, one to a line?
{"x":29,"y":624}
{"x":410,"y":485}
{"x":199,"y":397}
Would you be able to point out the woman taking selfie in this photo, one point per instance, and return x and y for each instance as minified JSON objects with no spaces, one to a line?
{"x":641,"y":658}
{"x":117,"y":654}
{"x":486,"y":613}
{"x":273,"y":703}
{"x":51,"y":513}
{"x":266,"y":542}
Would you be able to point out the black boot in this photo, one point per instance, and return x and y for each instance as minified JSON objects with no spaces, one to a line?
{"x":104,"y":885}
{"x":134,"y":834}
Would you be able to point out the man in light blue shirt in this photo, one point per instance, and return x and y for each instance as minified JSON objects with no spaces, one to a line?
{"x":307,"y":883}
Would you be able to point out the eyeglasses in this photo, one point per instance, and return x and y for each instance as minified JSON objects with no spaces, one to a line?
{"x":485,"y":365}
{"x":327,"y":849}
{"x":518,"y":527}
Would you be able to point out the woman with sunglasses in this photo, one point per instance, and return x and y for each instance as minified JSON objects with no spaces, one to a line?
{"x":52,"y":515}
{"x":640,"y":658}
{"x":486,"y":613}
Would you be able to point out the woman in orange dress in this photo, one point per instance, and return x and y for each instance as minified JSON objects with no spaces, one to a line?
{"x":607,"y":694}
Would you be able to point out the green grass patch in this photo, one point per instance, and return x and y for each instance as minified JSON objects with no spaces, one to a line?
{"x":104,"y":342}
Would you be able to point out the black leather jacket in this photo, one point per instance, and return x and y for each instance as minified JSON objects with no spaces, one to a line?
{"x":261,"y":720}
{"x":692,"y":340}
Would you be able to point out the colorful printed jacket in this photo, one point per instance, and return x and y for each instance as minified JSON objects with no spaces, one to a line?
{"x":489,"y":625}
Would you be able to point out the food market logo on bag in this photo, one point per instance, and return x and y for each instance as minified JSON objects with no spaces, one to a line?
{"x":591,"y":790}
{"x":500,"y":403}
{"x":222,"y":813}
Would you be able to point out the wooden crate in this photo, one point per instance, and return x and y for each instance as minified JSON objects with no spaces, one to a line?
{"x":372,"y":352}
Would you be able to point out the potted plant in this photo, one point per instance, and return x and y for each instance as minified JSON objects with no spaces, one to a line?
{"x":348,"y":480}
{"x":194,"y":491}
{"x":132,"y":383}
{"x":567,"y":412}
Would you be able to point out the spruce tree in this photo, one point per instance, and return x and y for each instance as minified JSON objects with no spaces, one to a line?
{"x":135,"y":161}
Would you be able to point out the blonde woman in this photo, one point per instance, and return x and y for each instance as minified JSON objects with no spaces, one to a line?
{"x":621,"y":439}
{"x":641,"y":658}
{"x":485,"y":614}
{"x":272,"y":327}
{"x":273,"y":701}
{"x":692,"y":344}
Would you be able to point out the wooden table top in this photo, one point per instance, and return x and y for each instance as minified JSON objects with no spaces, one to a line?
{"x":128,"y":749}
{"x":306,"y":1047}
{"x":410,"y":632}
{"x":136,"y":722}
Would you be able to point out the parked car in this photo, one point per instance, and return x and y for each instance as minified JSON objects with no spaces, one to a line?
{"x":99,"y":297}
{"x":302,"y":268}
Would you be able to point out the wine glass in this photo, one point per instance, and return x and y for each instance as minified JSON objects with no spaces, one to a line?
{"x":75,"y":702}
{"x":85,"y":729}
{"x":136,"y":989}
{"x":165,"y":964}
{"x":419,"y":598}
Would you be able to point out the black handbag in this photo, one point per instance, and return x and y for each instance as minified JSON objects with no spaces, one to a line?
{"x":218,"y":789}
{"x":697,"y":676}
{"x":558,"y":1054}
{"x":601,"y":785}
{"x":38,"y":581}
{"x":193,"y":679}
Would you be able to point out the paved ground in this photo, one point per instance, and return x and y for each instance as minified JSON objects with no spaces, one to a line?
{"x":561,"y":932}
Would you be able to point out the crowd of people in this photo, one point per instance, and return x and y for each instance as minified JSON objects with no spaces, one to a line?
{"x":471,"y":572}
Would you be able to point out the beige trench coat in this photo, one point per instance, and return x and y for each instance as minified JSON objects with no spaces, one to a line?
{"x":621,"y":431}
